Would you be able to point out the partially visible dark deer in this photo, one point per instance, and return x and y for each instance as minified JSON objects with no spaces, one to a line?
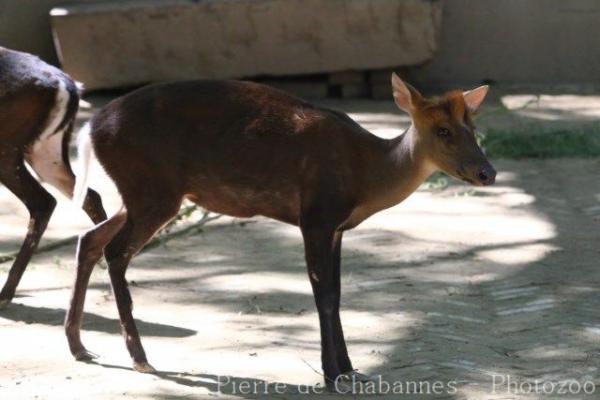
{"x":245,"y":149}
{"x":38,"y":104}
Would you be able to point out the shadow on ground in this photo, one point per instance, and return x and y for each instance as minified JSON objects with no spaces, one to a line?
{"x":56,"y":316}
{"x":464,"y":309}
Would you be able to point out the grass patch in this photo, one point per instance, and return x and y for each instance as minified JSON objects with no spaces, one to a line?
{"x":437,"y":181}
{"x":533,"y":143}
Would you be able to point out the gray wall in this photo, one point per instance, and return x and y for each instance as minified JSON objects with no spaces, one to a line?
{"x":516,"y":42}
{"x":25,"y":25}
{"x":509,"y":41}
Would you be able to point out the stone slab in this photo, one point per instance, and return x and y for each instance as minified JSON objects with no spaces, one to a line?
{"x":117,"y":44}
{"x":307,"y":89}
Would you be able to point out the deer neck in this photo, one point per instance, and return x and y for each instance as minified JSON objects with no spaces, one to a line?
{"x":398,"y":168}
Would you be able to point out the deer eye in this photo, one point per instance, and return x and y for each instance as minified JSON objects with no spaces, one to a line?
{"x":443,"y":132}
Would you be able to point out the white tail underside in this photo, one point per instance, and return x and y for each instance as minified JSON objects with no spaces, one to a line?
{"x":84,"y":152}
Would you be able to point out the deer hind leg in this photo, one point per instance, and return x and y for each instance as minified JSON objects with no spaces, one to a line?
{"x":89,"y":251}
{"x":47,"y":117}
{"x":40,"y":204}
{"x":135,"y":233}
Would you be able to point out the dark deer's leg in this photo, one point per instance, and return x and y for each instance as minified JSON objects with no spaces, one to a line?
{"x":89,"y":251}
{"x":138,"y":229}
{"x":92,"y":205}
{"x":322,"y":249}
{"x":342,"y":352}
{"x":39,"y":203}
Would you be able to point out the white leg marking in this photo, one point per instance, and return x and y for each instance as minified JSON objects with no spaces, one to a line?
{"x":45,"y":154}
{"x":30,"y":226}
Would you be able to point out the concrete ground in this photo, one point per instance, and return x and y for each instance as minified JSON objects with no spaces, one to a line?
{"x":472,"y":293}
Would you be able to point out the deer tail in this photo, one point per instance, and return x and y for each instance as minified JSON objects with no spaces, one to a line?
{"x":84,"y":152}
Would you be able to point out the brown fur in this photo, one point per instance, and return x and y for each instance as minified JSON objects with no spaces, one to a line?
{"x":245,"y":149}
{"x":28,"y":90}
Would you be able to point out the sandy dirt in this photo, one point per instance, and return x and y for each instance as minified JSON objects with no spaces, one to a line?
{"x":460,"y":286}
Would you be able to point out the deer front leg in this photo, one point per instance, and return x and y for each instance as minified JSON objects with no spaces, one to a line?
{"x":342,"y":354}
{"x":322,"y":250}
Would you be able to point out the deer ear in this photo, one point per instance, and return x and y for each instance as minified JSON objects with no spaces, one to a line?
{"x":474,"y":98}
{"x":406,"y":97}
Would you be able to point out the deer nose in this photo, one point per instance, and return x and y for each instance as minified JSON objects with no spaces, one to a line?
{"x":487,"y":175}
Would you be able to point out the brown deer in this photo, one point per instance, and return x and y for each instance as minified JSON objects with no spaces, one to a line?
{"x":245,"y":149}
{"x":38,"y":104}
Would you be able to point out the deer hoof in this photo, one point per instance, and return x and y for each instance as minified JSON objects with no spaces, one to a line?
{"x":143,"y":367}
{"x":355,"y":376}
{"x":339,"y":386}
{"x":349,"y":382}
{"x":84,"y":355}
{"x":4,"y":303}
